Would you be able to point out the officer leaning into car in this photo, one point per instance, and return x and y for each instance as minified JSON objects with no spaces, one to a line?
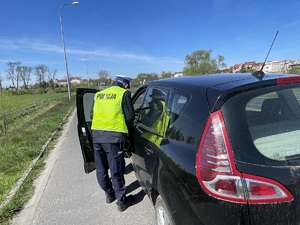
{"x":112,"y":117}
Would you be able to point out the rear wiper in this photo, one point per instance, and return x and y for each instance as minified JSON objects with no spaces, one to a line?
{"x":296,"y":156}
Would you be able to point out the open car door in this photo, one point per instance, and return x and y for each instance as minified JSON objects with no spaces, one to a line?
{"x":84,"y":104}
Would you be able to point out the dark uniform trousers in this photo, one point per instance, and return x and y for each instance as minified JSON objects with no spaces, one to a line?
{"x":110,"y":156}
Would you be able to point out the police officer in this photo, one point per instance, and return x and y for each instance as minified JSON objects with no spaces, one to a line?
{"x":113,"y":115}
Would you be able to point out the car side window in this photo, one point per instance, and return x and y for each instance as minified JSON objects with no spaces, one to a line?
{"x":138,"y":102}
{"x":178,"y":102}
{"x":154,"y":112}
{"x":88,"y":100}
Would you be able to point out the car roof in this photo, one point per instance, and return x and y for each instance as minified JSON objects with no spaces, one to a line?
{"x":214,"y":80}
{"x":218,"y":86}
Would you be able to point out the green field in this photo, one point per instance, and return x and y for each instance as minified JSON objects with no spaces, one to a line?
{"x":17,"y":102}
{"x":26,"y":123}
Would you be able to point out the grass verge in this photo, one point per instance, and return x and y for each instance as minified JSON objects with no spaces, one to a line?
{"x":20,"y":148}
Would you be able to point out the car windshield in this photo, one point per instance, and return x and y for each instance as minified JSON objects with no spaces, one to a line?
{"x":269,"y":122}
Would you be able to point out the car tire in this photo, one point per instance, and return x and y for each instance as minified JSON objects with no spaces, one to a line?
{"x":162,"y":215}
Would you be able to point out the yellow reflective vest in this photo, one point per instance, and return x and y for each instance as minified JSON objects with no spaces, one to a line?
{"x":107,"y":113}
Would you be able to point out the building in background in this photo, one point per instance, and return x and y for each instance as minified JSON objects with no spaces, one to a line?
{"x":275,"y":66}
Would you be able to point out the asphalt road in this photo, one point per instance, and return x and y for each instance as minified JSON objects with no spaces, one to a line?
{"x":66,"y":195}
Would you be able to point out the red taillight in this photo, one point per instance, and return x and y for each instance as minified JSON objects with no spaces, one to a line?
{"x":218,"y":176}
{"x":262,"y":190}
{"x":226,"y":186}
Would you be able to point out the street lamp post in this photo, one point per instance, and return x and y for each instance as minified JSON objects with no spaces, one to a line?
{"x":63,"y":43}
{"x":87,"y":71}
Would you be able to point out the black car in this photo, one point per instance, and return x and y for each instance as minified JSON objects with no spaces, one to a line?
{"x":222,"y":148}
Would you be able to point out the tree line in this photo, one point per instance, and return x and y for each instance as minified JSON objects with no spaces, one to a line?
{"x":20,"y":75}
{"x":197,"y":63}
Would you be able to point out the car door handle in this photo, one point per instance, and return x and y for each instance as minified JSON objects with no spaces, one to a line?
{"x":148,"y":150}
{"x":138,"y":128}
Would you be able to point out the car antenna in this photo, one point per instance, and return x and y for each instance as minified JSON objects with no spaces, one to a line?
{"x":260,"y":74}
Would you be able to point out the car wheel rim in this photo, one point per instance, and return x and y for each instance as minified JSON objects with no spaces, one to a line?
{"x":162,"y":216}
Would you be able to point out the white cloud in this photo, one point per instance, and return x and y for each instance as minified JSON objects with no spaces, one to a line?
{"x":32,"y":46}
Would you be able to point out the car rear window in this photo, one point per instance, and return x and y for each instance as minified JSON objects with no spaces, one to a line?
{"x":268,"y":123}
{"x":273,"y":122}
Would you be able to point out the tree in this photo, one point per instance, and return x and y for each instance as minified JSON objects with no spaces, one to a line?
{"x":1,"y":79}
{"x":13,"y":73}
{"x":103,"y":75}
{"x":143,"y":78}
{"x":41,"y":72}
{"x":247,"y":70}
{"x":294,"y":70}
{"x":51,"y":77}
{"x":166,"y":75}
{"x":25,"y":75}
{"x":200,"y":62}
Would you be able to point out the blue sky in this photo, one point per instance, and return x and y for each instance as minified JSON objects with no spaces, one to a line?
{"x":136,"y":36}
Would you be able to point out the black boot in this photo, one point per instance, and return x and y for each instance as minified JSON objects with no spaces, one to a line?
{"x":110,"y":199}
{"x":127,"y":202}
